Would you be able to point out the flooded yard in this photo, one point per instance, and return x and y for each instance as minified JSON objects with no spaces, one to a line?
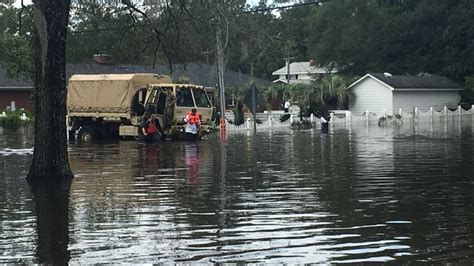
{"x":364,"y":194}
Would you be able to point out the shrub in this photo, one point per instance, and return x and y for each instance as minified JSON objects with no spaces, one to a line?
{"x":304,"y":124}
{"x":284,"y":117}
{"x":390,"y":121}
{"x":10,"y":122}
{"x":13,"y":120}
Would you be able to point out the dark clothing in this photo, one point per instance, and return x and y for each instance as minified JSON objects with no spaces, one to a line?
{"x":325,"y":127}
{"x":149,"y":138}
{"x":191,"y":137}
{"x":151,"y":129}
{"x":145,"y":124}
{"x":169,"y":110}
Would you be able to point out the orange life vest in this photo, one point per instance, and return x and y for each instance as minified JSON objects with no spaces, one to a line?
{"x":193,"y":118}
{"x":151,"y":128}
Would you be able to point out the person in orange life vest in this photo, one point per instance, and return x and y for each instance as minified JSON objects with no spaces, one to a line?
{"x":192,"y":124}
{"x":150,"y":128}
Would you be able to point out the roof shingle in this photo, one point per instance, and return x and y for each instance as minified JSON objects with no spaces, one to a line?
{"x":416,"y":82}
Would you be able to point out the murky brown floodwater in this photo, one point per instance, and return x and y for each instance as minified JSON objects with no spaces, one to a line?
{"x":359,"y":195}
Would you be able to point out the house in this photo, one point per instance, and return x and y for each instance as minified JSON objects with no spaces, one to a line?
{"x":19,"y":90}
{"x":376,"y":92}
{"x":14,"y":92}
{"x":300,"y":72}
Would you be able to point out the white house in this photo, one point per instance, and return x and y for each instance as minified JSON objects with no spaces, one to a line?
{"x":376,"y":92}
{"x":300,"y":72}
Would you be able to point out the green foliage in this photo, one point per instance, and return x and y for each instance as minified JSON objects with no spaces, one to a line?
{"x":354,"y":36}
{"x":16,"y":53}
{"x":238,"y":114}
{"x":10,"y":122}
{"x":15,"y":48}
{"x":323,"y":94}
{"x":360,"y":36}
{"x":182,"y":80}
{"x":13,"y":120}
{"x":467,"y":96}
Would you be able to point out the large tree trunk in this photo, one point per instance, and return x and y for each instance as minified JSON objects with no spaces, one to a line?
{"x":50,"y":157}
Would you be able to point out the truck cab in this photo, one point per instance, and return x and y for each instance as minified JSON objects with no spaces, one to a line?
{"x":185,"y":97}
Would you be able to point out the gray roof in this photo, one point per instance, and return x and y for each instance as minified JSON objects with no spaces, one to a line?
{"x":302,"y":68}
{"x":13,"y":83}
{"x":200,"y":74}
{"x":416,"y":82}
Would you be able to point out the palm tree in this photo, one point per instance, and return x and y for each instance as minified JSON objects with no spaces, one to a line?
{"x":332,"y":93}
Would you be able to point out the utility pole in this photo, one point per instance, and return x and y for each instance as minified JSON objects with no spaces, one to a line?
{"x":220,"y":71}
{"x":287,"y":63}
{"x":251,"y":69}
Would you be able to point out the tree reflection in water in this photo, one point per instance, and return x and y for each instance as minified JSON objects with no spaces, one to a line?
{"x":52,"y":210}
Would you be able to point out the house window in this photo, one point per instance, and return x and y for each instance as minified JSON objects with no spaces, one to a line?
{"x":296,"y":76}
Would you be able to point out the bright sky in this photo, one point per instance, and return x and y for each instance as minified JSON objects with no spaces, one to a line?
{"x":27,"y":2}
{"x":18,"y":3}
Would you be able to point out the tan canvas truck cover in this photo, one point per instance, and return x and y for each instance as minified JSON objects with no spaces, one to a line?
{"x":110,"y":93}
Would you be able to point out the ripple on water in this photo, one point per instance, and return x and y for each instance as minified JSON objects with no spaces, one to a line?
{"x":358,"y":196}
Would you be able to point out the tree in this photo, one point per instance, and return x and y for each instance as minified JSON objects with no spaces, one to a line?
{"x":401,"y":37}
{"x":15,"y":45}
{"x":50,"y":157}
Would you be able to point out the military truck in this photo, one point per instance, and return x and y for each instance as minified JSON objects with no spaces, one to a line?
{"x":107,"y":106}
{"x":187,"y":96}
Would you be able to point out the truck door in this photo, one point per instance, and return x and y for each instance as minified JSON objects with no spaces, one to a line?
{"x":151,"y":100}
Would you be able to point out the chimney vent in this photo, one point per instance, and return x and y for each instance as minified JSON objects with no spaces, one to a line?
{"x":102,"y":59}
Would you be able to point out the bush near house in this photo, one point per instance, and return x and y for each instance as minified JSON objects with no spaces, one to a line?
{"x":13,"y":119}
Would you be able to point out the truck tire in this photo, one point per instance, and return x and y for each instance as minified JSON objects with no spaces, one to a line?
{"x":85,"y":135}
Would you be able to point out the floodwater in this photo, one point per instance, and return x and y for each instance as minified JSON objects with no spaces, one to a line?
{"x":365,"y":194}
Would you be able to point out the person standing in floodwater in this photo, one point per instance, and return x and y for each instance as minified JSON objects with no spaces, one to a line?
{"x":192,"y":125}
{"x":324,"y":123}
{"x":286,"y":107}
{"x":150,"y":128}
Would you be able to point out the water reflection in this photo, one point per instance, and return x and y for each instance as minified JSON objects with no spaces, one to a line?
{"x":349,"y":196}
{"x":52,"y":217}
{"x":192,"y":162}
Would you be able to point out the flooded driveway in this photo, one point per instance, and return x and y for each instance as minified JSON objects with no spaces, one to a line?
{"x":365,"y":194}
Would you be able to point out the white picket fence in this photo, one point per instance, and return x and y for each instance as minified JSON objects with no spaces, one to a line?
{"x":270,"y":123}
{"x":271,"y":120}
{"x":343,"y":117}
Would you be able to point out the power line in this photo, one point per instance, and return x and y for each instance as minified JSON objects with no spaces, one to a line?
{"x":283,"y":7}
{"x":247,"y":12}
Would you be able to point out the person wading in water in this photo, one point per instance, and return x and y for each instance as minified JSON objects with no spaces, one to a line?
{"x":192,"y":125}
{"x":150,"y":128}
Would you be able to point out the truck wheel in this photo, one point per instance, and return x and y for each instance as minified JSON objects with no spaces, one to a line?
{"x":85,"y":135}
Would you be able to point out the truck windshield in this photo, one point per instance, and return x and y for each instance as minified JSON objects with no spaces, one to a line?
{"x":201,"y":98}
{"x":184,"y":97}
